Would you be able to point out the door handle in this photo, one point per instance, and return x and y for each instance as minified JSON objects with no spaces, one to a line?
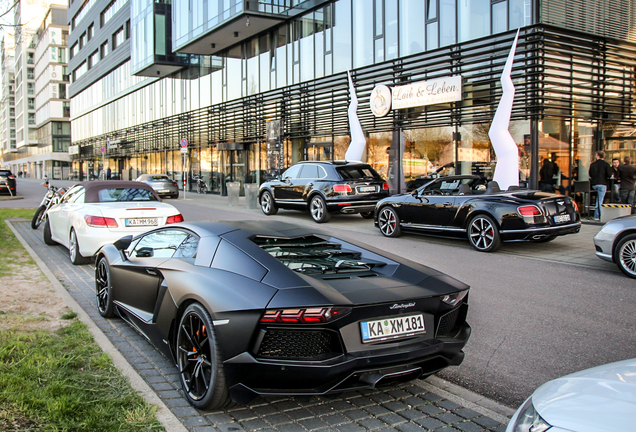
{"x":151,"y":272}
{"x":448,"y":204}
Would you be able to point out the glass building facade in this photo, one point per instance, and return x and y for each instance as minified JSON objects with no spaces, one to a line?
{"x":285,"y":83}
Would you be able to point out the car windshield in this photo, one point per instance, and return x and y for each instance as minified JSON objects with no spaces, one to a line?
{"x":125,"y":194}
{"x":354,"y":172}
{"x":312,"y":254}
{"x":158,"y":178}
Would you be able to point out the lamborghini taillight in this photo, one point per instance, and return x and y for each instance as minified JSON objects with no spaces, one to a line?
{"x":309,"y":315}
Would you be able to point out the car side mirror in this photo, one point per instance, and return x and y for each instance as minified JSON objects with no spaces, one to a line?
{"x":123,"y":243}
{"x":145,"y":252}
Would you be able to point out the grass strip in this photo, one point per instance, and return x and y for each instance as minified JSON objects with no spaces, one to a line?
{"x":12,"y":251}
{"x":63,"y":381}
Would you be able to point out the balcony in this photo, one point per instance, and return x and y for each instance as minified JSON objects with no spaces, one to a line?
{"x":244,"y":21}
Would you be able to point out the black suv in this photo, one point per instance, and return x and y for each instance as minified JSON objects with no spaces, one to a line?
{"x":324,"y":188}
{"x":7,"y":182}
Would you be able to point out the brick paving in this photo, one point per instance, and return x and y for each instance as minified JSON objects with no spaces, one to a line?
{"x":405,"y":408}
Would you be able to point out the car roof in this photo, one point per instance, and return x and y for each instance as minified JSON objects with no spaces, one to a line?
{"x":338,"y":162}
{"x":93,"y":187}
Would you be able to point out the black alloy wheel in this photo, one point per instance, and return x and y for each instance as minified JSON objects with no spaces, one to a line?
{"x":389,"y":222}
{"x":318,"y":209}
{"x":73,"y":250}
{"x":103,"y":290}
{"x":199,"y":361}
{"x":38,"y":217}
{"x":483,"y":234}
{"x":46,"y":234}
{"x":625,"y":255}
{"x":367,"y":215}
{"x":267,"y":204}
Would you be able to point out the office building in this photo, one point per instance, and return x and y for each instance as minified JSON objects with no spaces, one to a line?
{"x":251,"y":87}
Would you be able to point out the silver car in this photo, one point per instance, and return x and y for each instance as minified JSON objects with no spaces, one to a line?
{"x":161,"y":183}
{"x":616,"y":242}
{"x":600,"y":399}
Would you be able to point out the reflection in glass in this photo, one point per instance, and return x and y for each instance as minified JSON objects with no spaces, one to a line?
{"x":499,"y":18}
{"x":474,"y":19}
{"x":342,"y":36}
{"x":362,"y":33}
{"x":391,"y":32}
{"x":411,"y":28}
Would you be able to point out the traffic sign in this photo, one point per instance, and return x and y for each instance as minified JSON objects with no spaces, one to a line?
{"x":184,"y":150}
{"x":103,"y":149}
{"x":184,"y":143}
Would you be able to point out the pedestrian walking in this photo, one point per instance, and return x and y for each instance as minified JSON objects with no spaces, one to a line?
{"x":600,"y":172}
{"x":616,"y":177}
{"x":108,"y":173}
{"x":627,"y":173}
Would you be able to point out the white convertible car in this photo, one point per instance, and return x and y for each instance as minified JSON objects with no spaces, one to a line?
{"x":93,"y":214}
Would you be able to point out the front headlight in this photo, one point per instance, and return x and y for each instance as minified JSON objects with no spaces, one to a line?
{"x":529,"y":420}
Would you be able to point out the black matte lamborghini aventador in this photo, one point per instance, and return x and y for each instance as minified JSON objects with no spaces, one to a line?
{"x":249,"y":308}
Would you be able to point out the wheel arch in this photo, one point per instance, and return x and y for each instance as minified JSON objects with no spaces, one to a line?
{"x":618,"y":239}
{"x":481,"y":211}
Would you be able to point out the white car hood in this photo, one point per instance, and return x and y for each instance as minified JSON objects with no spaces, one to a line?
{"x":601,"y":399}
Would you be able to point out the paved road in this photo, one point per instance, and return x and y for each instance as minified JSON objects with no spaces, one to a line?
{"x":538,"y":311}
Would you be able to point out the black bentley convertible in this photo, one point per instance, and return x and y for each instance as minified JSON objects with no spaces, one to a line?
{"x":463,"y":206}
{"x":248,"y":308}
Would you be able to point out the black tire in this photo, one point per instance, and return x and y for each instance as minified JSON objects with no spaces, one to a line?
{"x":46,"y":234}
{"x":367,"y":215}
{"x":389,"y":222}
{"x":318,"y":209}
{"x":625,"y":255}
{"x":268,"y":205}
{"x":175,"y":195}
{"x":103,"y":289}
{"x":483,"y":234}
{"x":545,"y":239}
{"x":38,"y":217}
{"x":199,"y":360}
{"x":73,"y":250}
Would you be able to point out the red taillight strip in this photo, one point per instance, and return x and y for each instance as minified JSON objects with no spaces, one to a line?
{"x":311,"y":315}
{"x":342,"y":188}
{"x":100,"y":222}
{"x":174,"y":219}
{"x":529,"y":210}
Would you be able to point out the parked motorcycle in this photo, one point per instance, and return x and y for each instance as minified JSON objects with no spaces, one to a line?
{"x":53,"y":196}
{"x":202,"y":186}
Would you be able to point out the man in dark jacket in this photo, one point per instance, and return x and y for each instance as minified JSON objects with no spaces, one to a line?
{"x":600,"y":172}
{"x":628,"y":171}
{"x":616,"y":176}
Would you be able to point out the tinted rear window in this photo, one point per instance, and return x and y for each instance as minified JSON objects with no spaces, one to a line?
{"x":5,"y":173}
{"x":158,"y":178}
{"x":354,"y":172}
{"x":125,"y":194}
